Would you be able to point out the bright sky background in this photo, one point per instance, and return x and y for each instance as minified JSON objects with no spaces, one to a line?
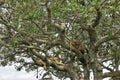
{"x":10,"y":73}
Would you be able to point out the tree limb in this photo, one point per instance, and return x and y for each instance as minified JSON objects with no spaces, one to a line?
{"x":97,"y":19}
{"x":111,"y":74}
{"x":107,"y":67}
{"x":107,"y":38}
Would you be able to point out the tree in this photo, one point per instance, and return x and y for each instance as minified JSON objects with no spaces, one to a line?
{"x":68,"y":38}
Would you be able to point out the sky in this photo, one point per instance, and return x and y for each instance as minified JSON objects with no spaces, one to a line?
{"x":10,"y":73}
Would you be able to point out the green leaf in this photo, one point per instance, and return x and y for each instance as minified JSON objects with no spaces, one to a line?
{"x":4,"y":63}
{"x":109,"y":33}
{"x":32,"y":29}
{"x":14,"y":42}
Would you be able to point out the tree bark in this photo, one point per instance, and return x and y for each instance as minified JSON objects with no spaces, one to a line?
{"x":73,"y":74}
{"x":86,"y":73}
{"x":97,"y":70}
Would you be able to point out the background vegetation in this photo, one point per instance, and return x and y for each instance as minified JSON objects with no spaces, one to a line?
{"x":68,"y":38}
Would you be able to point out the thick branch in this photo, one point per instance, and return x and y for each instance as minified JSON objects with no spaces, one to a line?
{"x":69,"y":47}
{"x":111,"y":74}
{"x":93,"y":36}
{"x":47,"y":61}
{"x":73,"y":74}
{"x":97,"y":19}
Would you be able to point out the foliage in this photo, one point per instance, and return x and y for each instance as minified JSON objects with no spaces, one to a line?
{"x":42,"y":33}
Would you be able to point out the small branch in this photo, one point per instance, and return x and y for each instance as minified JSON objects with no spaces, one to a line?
{"x":47,"y":5}
{"x":1,"y":3}
{"x":36,"y":53}
{"x":29,"y":47}
{"x":111,"y":70}
{"x":8,"y":26}
{"x":4,"y":44}
{"x":38,"y":26}
{"x":107,"y":38}
{"x":69,"y":47}
{"x":78,"y":20}
{"x":61,"y":29}
{"x":58,"y":26}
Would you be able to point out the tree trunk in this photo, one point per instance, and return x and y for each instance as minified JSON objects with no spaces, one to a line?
{"x":86,"y":73}
{"x":97,"y":69}
{"x":94,"y":60}
{"x":72,"y":72}
{"x":97,"y":73}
